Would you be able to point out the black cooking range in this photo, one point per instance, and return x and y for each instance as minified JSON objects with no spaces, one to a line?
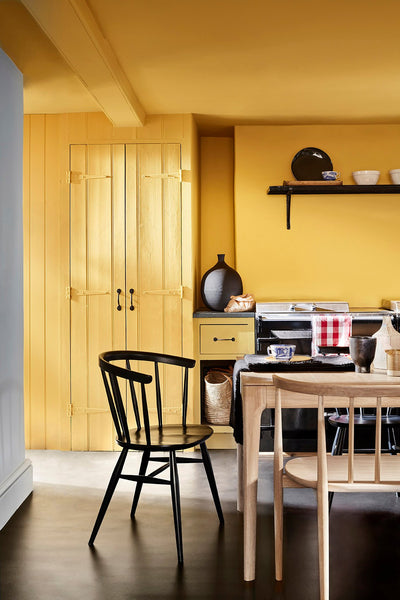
{"x":291,"y":322}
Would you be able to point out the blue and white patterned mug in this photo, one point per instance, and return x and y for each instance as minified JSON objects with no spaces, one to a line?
{"x":330,"y":175}
{"x":281,"y":351}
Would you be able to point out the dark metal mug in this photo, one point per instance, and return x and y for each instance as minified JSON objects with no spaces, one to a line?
{"x":362,"y":352}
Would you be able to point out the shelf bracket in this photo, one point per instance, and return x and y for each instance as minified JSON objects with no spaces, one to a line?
{"x":288,"y":205}
{"x":320,"y":187}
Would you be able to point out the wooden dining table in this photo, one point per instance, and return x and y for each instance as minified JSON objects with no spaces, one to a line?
{"x":258,"y":393}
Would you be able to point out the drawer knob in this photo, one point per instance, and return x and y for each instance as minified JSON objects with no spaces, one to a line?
{"x":224,"y":339}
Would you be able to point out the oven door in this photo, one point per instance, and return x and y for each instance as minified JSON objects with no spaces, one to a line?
{"x":284,"y":329}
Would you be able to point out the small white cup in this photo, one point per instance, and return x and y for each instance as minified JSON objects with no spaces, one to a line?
{"x":281,"y":351}
{"x":330,"y":175}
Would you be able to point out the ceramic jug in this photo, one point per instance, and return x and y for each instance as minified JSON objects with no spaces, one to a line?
{"x":387,"y":338}
{"x":219,"y":284}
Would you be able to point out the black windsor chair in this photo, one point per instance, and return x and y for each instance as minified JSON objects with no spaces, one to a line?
{"x":148,"y":438}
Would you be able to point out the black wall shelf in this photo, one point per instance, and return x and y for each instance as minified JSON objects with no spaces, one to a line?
{"x":292,"y":190}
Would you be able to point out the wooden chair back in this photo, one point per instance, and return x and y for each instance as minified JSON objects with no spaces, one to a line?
{"x":332,"y":473}
{"x":352,"y":395}
{"x":114,"y":376}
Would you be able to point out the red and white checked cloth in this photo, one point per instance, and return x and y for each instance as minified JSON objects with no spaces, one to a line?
{"x":330,"y":330}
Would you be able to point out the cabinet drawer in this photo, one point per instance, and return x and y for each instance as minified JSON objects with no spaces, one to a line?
{"x":232,"y":338}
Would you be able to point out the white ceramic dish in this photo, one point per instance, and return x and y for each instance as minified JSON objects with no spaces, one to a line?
{"x":366,"y":177}
{"x":395,"y":176}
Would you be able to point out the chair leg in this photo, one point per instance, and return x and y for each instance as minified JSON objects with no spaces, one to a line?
{"x":139,"y":485}
{"x":389,"y":432}
{"x":211,"y":480}
{"x":394,"y":448}
{"x":278,"y":523}
{"x":323,"y":544}
{"x":342,"y":438}
{"x":336,"y":441}
{"x":337,"y":449}
{"x":176,"y":505}
{"x":392,"y":440}
{"x":109,"y":492}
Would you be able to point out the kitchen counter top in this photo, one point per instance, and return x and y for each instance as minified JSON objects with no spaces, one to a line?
{"x":373,"y":310}
{"x":206,"y":313}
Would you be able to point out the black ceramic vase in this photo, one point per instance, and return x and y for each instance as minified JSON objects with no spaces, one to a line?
{"x":362,"y":352}
{"x":220,"y":283}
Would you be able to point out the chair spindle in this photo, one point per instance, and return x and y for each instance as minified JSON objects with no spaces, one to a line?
{"x":158,"y":395}
{"x":134,"y":401}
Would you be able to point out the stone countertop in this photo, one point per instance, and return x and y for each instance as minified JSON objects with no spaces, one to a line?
{"x":206,"y":313}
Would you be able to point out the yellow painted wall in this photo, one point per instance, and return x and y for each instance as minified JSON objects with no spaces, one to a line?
{"x":217,"y":214}
{"x":340,"y":247}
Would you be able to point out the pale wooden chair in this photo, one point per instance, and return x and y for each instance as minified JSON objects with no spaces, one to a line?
{"x":323,"y":472}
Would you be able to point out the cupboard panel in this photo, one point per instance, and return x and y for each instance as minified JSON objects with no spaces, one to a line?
{"x":37,"y":295}
{"x":125,"y":232}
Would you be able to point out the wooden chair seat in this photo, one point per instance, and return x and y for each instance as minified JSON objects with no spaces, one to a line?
{"x":304,"y":472}
{"x":167,"y":437}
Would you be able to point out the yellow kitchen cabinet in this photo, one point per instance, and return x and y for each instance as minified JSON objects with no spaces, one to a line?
{"x":220,"y":339}
{"x":110,"y":261}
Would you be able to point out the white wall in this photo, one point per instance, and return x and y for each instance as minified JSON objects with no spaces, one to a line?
{"x":15,"y":470}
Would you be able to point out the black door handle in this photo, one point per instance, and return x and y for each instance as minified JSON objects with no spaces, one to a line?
{"x":131,"y":293}
{"x":119,"y":307}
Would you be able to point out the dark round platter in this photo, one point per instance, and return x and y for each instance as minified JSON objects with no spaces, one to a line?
{"x":308,"y":164}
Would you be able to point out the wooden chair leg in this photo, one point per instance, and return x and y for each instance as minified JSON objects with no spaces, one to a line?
{"x":139,"y":485}
{"x":211,"y":480}
{"x":323,"y":543}
{"x":278,"y":526}
{"x":109,"y":492}
{"x":176,"y":504}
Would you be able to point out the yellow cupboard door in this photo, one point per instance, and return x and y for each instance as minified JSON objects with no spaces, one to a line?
{"x":154,"y":259}
{"x":125,"y":273}
{"x":97,"y":271}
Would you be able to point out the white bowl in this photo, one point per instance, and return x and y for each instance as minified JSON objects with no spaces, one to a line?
{"x":366,"y":177}
{"x":395,"y":176}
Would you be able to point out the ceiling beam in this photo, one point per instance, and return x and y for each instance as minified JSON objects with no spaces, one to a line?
{"x":74,"y":31}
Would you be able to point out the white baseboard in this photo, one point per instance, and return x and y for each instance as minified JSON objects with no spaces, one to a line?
{"x":14,"y":490}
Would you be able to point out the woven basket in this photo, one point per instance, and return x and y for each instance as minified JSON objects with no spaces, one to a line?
{"x":218,"y":398}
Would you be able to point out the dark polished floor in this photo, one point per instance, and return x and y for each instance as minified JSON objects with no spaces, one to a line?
{"x":44,"y":553}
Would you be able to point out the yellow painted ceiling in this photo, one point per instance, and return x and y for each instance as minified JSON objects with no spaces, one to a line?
{"x":227,"y":61}
{"x":50,"y":86}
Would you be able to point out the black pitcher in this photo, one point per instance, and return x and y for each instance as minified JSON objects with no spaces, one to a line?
{"x":220,"y":283}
